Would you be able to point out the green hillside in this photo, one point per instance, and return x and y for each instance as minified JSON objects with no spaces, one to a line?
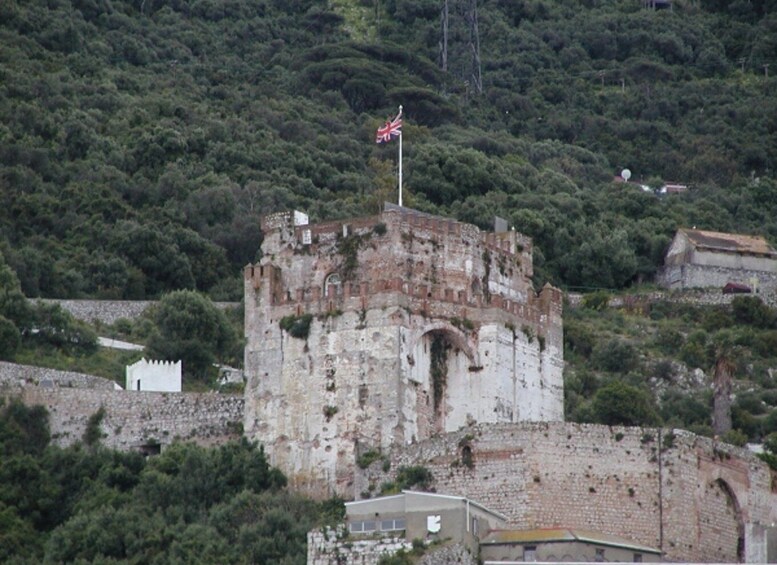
{"x":141,"y":140}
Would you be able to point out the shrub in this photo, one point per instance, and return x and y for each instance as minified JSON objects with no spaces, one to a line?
{"x":717,"y":318}
{"x":770,"y":423}
{"x":93,"y":433}
{"x":367,"y":458}
{"x":414,"y":476}
{"x":620,"y":404}
{"x":750,"y":402}
{"x":297,"y":326}
{"x":694,"y":355}
{"x":735,"y":437}
{"x":765,"y":343}
{"x":748,"y":424}
{"x":10,"y":338}
{"x":668,"y":340}
{"x":578,"y":339}
{"x":615,"y":356}
{"x":596,"y":300}
{"x":770,"y":443}
{"x":751,"y":311}
{"x":379,"y":229}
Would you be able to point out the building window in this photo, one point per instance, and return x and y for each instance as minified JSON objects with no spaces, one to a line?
{"x":599,"y":555}
{"x":333,"y":285}
{"x":530,"y":553}
{"x":475,"y":526}
{"x":637,"y":558}
{"x":392,"y":525}
{"x":364,"y":527}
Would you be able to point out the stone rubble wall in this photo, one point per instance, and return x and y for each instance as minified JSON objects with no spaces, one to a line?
{"x":109,"y":311}
{"x":335,"y":547}
{"x":456,"y":554}
{"x":653,"y":486}
{"x":14,"y":375}
{"x":135,"y":419}
{"x":698,"y":297}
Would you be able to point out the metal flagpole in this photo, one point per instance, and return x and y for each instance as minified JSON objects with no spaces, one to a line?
{"x":400,"y":161}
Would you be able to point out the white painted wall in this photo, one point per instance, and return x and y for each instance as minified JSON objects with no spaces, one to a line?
{"x":156,"y":376}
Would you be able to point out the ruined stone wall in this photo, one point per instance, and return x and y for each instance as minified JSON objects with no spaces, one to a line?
{"x":109,"y":311}
{"x":671,"y":490}
{"x":14,"y":375}
{"x":136,"y":419}
{"x":334,"y":547}
{"x":696,"y":296}
{"x":417,"y":325}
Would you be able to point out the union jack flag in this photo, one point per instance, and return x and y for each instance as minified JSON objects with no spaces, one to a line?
{"x":392,"y":129}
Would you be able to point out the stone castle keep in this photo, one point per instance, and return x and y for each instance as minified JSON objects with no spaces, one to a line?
{"x":421,"y":338}
{"x":379,"y":332}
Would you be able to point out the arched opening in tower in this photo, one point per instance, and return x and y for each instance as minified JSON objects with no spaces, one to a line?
{"x":438,"y":376}
{"x":435,"y":366}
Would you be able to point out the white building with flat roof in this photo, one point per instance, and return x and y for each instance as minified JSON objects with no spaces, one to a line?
{"x":155,"y":376}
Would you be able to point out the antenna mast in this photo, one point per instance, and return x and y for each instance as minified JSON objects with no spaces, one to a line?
{"x":474,"y":44}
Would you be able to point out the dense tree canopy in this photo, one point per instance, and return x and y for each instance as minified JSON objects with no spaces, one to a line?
{"x":189,"y":327}
{"x":187,"y":505}
{"x":141,"y":141}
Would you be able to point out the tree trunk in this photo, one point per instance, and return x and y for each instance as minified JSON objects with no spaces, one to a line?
{"x":721,"y":396}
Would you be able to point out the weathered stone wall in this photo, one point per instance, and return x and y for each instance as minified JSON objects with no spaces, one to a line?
{"x":656,"y":487}
{"x":420,"y":325}
{"x":14,"y":375}
{"x":696,"y":296}
{"x":703,"y":276}
{"x":109,"y":311}
{"x":334,"y":547}
{"x":136,"y":419}
{"x":456,"y":554}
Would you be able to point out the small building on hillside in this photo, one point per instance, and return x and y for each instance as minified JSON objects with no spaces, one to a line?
{"x":704,"y":259}
{"x":423,"y":515}
{"x":380,"y":527}
{"x":562,"y":545}
{"x":155,"y":376}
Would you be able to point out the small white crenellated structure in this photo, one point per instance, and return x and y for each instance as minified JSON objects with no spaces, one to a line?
{"x":156,"y":376}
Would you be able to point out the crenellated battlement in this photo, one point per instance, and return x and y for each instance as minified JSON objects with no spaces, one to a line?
{"x":362,"y":295}
{"x":384,"y":330}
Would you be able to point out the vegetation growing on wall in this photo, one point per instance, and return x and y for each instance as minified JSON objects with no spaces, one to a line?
{"x":348,"y":248}
{"x":438,"y":370}
{"x":297,"y":326}
{"x":409,"y":477}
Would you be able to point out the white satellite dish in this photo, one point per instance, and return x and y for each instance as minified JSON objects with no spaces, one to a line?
{"x":626,"y":174}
